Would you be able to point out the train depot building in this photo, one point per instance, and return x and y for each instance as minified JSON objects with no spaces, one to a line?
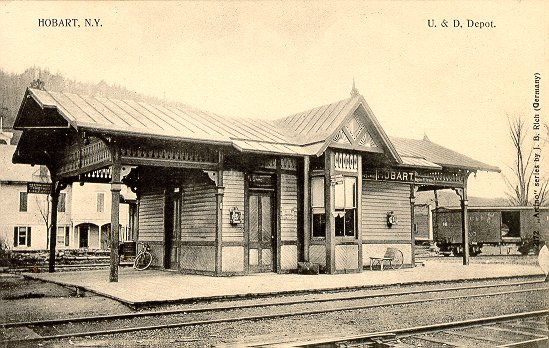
{"x":226,"y":196}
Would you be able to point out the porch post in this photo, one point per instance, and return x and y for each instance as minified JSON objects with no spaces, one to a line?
{"x":306,"y":209}
{"x":359,"y":213}
{"x":412,"y":219}
{"x":329,"y":207}
{"x":465,"y":226}
{"x":219,"y":216}
{"x":278,"y":214}
{"x":115,"y":211}
{"x":55,"y":190}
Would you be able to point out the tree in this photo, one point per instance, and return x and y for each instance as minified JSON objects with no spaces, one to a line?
{"x":520,"y":185}
{"x":43,"y":202}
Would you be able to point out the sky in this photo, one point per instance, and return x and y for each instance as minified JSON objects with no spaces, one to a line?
{"x":269,"y":59}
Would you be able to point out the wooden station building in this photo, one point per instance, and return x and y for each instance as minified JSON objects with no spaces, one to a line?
{"x":225,"y":196}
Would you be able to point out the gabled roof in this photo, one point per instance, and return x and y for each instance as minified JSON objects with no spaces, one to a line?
{"x":322,"y":125}
{"x":138,"y":118}
{"x":429,"y":151}
{"x":306,"y":133}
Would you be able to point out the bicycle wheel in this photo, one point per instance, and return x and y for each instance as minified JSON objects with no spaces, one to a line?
{"x":143,"y":261}
{"x":398,"y":259}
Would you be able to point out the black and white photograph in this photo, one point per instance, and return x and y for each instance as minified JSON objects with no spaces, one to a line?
{"x":274,"y":173}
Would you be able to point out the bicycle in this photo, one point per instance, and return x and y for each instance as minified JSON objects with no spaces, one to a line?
{"x":144,"y":258}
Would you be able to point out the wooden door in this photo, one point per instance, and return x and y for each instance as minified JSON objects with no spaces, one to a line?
{"x":261,"y":233}
{"x":172,"y":226}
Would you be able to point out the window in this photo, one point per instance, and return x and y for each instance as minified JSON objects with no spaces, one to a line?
{"x":100,"y":202}
{"x":345,"y":207}
{"x":21,"y":236}
{"x":345,"y":202}
{"x":317,"y":203}
{"x":23,"y":198}
{"x":62,"y":202}
{"x":62,"y":235}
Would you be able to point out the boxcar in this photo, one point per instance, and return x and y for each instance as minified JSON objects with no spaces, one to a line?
{"x":492,"y":230}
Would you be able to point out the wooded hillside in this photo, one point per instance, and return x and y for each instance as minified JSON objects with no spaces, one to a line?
{"x":13,"y":86}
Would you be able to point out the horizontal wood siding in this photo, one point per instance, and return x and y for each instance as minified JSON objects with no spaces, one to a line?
{"x":288,"y":223}
{"x":378,"y":198}
{"x":198,"y":212}
{"x":233,"y":197}
{"x":151,"y":216}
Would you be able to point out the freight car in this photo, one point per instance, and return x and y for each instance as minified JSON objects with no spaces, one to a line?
{"x":492,"y":230}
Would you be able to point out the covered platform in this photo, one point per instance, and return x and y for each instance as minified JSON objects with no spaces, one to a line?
{"x":153,"y":287}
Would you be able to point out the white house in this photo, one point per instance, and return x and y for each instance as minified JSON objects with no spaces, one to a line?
{"x":83,"y":211}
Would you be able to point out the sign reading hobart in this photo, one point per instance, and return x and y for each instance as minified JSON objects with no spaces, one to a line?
{"x":39,"y":188}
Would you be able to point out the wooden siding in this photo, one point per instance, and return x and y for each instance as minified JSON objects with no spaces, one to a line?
{"x":198,"y":212}
{"x":378,"y":198}
{"x":233,"y":198}
{"x":151,"y":216}
{"x":288,"y":222}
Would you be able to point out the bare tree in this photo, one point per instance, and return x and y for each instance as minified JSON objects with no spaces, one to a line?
{"x":520,"y":185}
{"x":43,"y":203}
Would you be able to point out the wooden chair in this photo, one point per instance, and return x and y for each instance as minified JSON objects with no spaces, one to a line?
{"x":393,"y":257}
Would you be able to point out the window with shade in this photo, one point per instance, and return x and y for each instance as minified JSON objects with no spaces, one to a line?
{"x":345,"y":204}
{"x":318,"y":210}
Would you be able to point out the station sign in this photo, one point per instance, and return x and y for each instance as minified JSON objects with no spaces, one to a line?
{"x":40,"y":188}
{"x":389,"y":175}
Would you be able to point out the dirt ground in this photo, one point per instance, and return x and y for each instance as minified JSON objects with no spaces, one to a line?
{"x":24,"y":299}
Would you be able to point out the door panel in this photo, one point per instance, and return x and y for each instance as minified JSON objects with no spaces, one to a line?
{"x":260,"y":233}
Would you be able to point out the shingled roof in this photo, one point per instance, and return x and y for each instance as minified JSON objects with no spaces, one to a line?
{"x":305,"y":133}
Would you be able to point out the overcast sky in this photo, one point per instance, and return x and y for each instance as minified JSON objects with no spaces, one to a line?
{"x":273,"y":59}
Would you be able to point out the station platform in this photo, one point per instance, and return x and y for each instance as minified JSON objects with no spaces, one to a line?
{"x":144,"y":288}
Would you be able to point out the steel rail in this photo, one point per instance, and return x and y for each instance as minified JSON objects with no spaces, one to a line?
{"x":258,"y":305}
{"x":263,"y":316}
{"x":412,"y":331}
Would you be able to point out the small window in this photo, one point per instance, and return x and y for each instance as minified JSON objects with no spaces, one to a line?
{"x":23,"y":201}
{"x":21,"y":236}
{"x":62,"y":202}
{"x":100,"y":202}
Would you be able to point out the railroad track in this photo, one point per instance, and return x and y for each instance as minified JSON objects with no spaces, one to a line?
{"x":15,"y":332}
{"x":527,"y":329}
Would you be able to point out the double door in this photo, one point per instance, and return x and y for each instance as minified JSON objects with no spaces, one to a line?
{"x":261,"y":233}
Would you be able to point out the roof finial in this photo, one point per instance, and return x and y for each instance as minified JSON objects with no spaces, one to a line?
{"x":354,"y":91}
{"x":425,"y":137}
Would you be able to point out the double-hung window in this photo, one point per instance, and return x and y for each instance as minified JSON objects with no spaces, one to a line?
{"x":63,"y":235}
{"x":317,"y":203}
{"x":21,"y":236}
{"x":345,"y":207}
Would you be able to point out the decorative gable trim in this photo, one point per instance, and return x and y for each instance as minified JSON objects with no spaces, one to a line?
{"x":360,"y":131}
